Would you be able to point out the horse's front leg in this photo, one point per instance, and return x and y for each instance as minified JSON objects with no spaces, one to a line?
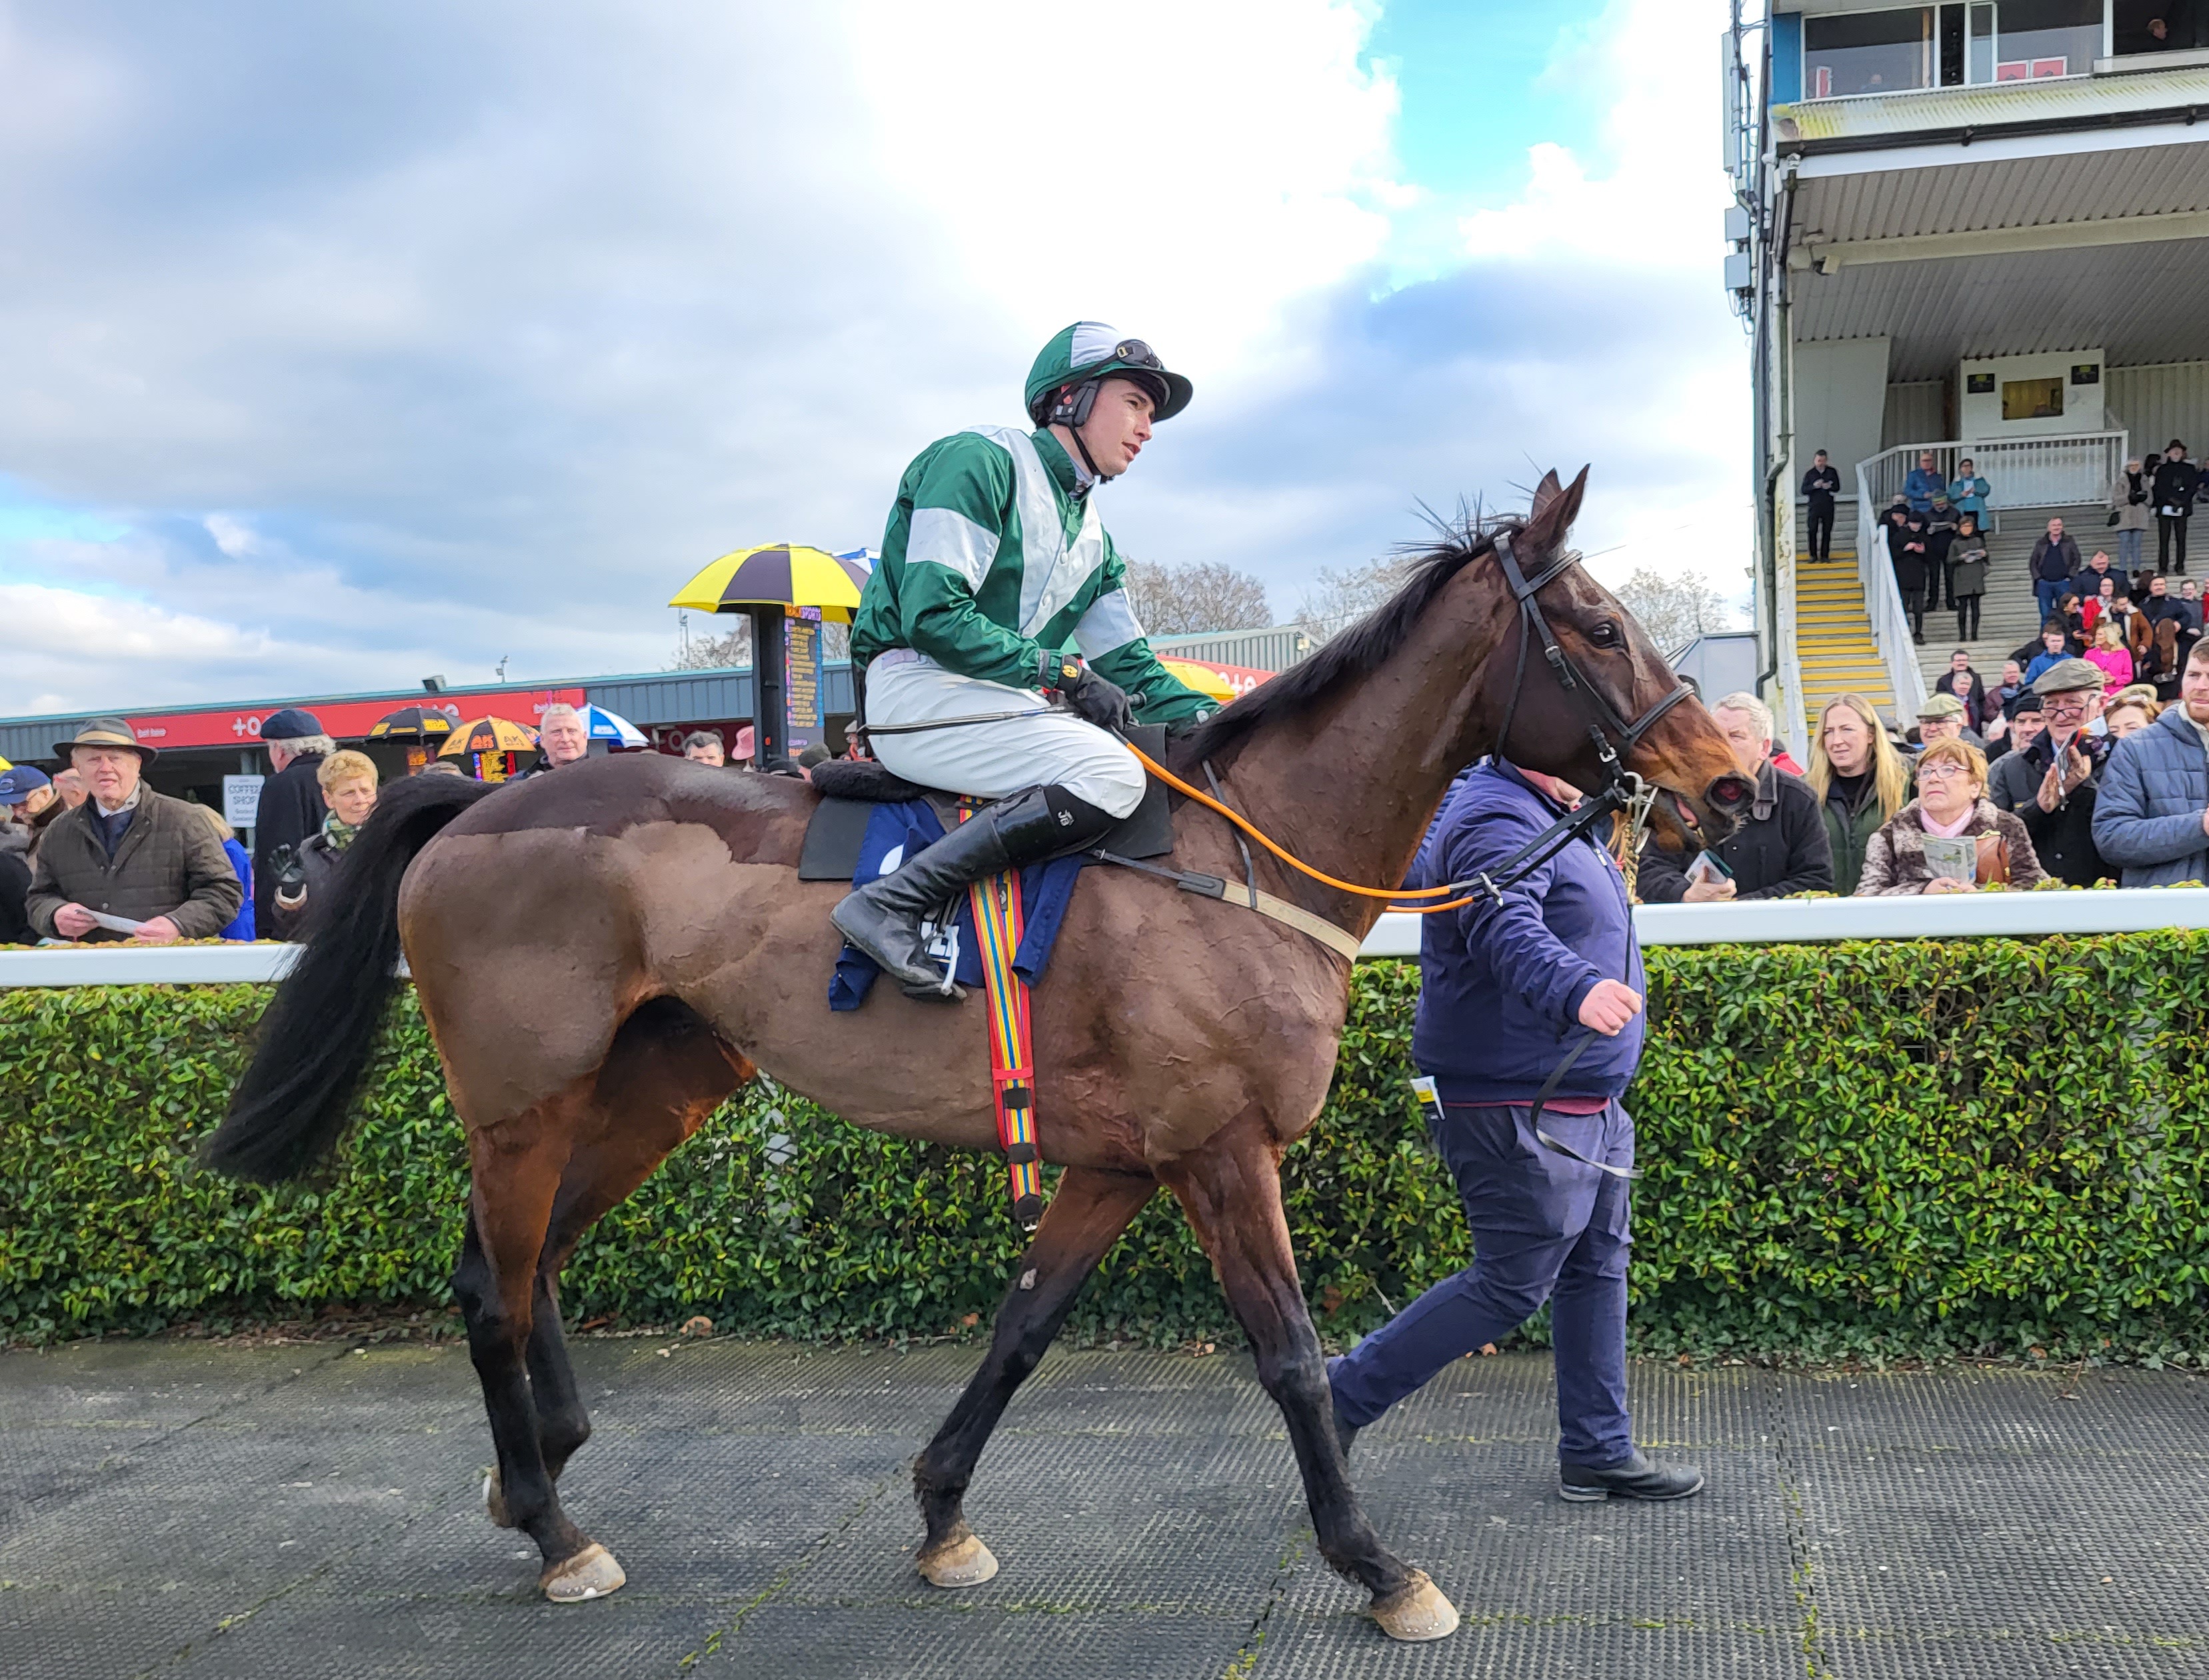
{"x":1085,"y":1218}
{"x":1231,"y":1188}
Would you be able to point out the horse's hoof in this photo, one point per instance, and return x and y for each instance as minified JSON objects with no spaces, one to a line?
{"x":495,"y":1500}
{"x":965,"y":1561}
{"x":1417,"y":1611}
{"x":592,"y":1573}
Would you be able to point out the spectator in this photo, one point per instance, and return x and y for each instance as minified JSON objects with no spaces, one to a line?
{"x":743,"y":748}
{"x":2190,"y":601}
{"x":2172,"y":491}
{"x":1906,"y":549}
{"x":2054,"y":649}
{"x":1860,"y":779}
{"x":128,"y":851}
{"x":241,"y":926}
{"x":1939,"y":537}
{"x":70,"y":786}
{"x":563,"y":739}
{"x":348,"y":784}
{"x":1541,"y":994}
{"x":1961,"y":681}
{"x":1968,"y":492}
{"x":443,"y":766}
{"x":1926,"y":480}
{"x":1967,"y":576}
{"x":290,"y":800}
{"x":2152,"y":818}
{"x":1780,"y":848}
{"x":2001,"y":699}
{"x":1941,"y":717}
{"x":2065,"y":764}
{"x":28,"y":803}
{"x":1820,"y":484}
{"x":2088,"y":583}
{"x":2054,"y":558}
{"x":2128,"y":500}
{"x":2129,"y":713}
{"x":19,"y":838}
{"x":818,"y":752}
{"x":2111,"y":656}
{"x":1951,"y":802}
{"x":703,"y":746}
{"x":2157,"y":603}
{"x":2013,"y":778}
{"x":2071,"y":613}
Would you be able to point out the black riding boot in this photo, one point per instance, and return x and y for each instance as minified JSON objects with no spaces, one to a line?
{"x":883,"y":917}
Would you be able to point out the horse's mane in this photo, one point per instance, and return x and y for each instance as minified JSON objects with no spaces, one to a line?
{"x":1352,"y":653}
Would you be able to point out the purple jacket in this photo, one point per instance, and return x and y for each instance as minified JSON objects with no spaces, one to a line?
{"x":1501,"y":987}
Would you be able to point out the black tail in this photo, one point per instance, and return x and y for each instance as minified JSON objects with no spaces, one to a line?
{"x":317,"y":1037}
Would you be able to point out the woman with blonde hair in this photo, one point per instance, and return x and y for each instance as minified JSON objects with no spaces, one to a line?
{"x":1950,"y":804}
{"x":348,"y":782}
{"x":1860,"y":779}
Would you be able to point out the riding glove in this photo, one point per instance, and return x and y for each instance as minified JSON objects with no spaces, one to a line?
{"x":1098,"y":699}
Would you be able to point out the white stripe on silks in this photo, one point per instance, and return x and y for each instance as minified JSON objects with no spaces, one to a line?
{"x":944,"y":537}
{"x":1051,"y":574}
{"x":1110,"y":622}
{"x":1093,"y":341}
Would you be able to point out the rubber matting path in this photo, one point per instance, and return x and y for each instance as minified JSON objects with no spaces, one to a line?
{"x":178,"y":1510}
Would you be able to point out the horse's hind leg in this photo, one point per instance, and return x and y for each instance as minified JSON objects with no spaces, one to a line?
{"x":517,"y":1168}
{"x":1231,"y":1188}
{"x":1086,"y":1216}
{"x":665,"y":1076}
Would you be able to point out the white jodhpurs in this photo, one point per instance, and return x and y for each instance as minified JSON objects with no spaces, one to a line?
{"x":1047,"y":748}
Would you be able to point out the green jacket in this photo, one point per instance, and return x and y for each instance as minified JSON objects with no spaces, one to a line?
{"x":1849,"y":836}
{"x":991,"y":559}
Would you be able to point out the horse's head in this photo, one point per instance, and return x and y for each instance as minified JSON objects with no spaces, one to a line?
{"x":1681,"y":751}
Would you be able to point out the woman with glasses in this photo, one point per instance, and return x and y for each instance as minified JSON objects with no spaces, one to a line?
{"x":1950,"y":804}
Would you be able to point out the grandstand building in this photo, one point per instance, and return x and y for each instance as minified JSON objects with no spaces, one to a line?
{"x":1980,"y":229}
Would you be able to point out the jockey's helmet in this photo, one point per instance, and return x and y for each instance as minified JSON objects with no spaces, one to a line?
{"x":1084,"y":356}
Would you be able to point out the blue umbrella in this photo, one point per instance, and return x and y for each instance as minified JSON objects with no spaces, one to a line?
{"x":600,"y":724}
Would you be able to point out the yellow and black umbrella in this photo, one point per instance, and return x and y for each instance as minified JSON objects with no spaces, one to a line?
{"x":489,"y":735}
{"x":412,"y":723}
{"x":777,"y":574}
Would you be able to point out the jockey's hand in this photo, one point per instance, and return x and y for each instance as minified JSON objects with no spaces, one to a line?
{"x":1101,"y":701}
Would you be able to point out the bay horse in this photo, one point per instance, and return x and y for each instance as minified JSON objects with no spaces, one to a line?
{"x":651,"y":907}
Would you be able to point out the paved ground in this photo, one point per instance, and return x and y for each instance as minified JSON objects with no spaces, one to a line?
{"x":311,"y":1510}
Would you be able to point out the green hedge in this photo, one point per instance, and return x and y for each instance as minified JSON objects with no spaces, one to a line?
{"x":1899,"y":1148}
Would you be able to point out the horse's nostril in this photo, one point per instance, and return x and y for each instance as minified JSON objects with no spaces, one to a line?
{"x":1730,"y":792}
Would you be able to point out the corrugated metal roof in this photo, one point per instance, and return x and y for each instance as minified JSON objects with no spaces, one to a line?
{"x":2139,"y":302}
{"x":2000,"y":193}
{"x":2055,"y":99}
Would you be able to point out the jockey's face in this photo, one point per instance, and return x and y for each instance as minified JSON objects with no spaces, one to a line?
{"x":1118,"y":425}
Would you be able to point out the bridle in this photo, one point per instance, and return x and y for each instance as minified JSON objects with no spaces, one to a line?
{"x":1614,"y":736}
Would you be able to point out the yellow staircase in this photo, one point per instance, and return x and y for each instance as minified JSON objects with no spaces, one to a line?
{"x":1833,"y":634}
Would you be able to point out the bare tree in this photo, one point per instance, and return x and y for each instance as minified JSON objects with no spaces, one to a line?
{"x":1675,"y":610}
{"x":1340,"y":599}
{"x":1195,"y":596}
{"x":733,"y":646}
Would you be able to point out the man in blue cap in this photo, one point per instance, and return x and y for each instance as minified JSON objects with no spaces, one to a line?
{"x":290,"y":800}
{"x":24,"y":794}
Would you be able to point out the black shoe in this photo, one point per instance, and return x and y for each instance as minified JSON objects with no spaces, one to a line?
{"x":883,"y":917}
{"x":1639,"y":1477}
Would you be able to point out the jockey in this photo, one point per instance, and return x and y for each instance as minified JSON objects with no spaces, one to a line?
{"x":995,"y":562}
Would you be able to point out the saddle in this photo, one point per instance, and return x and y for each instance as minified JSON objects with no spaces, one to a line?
{"x":849,"y":791}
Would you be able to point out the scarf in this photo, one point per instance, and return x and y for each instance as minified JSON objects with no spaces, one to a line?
{"x":1947,"y":830}
{"x":337,"y":835}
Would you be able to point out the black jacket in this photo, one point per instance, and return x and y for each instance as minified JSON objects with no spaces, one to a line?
{"x":1780,"y":849}
{"x":1822,"y":482}
{"x":16,"y":927}
{"x":2175,"y":482}
{"x":1906,"y":545}
{"x":2064,"y":838}
{"x":291,"y":810}
{"x":2054,"y":563}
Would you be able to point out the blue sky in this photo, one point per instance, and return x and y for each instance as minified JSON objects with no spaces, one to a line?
{"x":360,"y":340}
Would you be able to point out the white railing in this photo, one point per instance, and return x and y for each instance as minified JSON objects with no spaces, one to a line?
{"x":1760,"y":922}
{"x":1786,"y":700}
{"x":1890,"y":624}
{"x":2020,"y":472}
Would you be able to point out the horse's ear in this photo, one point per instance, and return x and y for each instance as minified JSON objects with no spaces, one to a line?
{"x":1554,"y":514}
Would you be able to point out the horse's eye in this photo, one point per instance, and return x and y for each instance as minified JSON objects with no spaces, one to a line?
{"x":1605,"y":635}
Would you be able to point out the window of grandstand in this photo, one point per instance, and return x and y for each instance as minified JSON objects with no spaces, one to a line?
{"x":1896,"y":49}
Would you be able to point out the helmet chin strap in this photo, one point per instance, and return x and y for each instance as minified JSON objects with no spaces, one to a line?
{"x":1097,"y":475}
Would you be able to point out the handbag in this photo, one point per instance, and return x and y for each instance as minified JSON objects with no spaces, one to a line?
{"x":1993,"y":868}
{"x":2114,"y":517}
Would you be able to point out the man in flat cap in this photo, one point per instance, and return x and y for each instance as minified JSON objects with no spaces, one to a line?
{"x":2064,"y":767}
{"x":1945,"y":718}
{"x":128,"y":853}
{"x":290,"y":800}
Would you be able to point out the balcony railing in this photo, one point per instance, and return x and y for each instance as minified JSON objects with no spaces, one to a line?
{"x":2020,"y":472}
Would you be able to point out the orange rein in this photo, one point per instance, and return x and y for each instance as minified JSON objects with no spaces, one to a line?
{"x":1295,"y":863}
